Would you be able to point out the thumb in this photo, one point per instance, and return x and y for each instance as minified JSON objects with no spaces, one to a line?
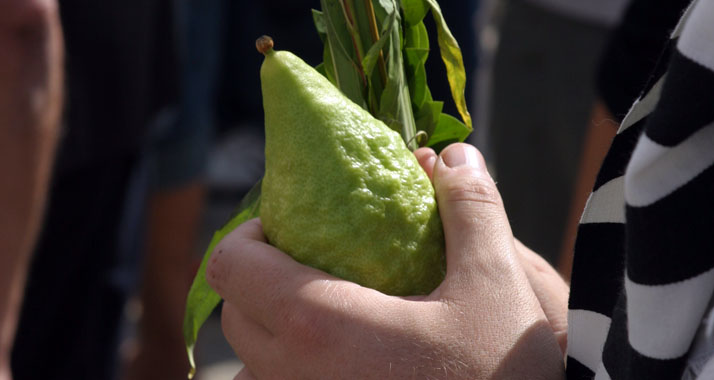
{"x":478,"y":237}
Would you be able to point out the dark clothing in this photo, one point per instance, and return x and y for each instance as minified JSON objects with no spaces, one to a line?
{"x":121,"y":68}
{"x":633,"y":50}
{"x":72,"y":308}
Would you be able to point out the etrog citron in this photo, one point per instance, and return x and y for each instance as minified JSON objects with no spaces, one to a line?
{"x":341,"y":192}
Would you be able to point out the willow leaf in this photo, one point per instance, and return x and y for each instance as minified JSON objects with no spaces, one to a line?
{"x":417,"y":38}
{"x":416,"y":51}
{"x":202,"y":299}
{"x":370,"y":60}
{"x":319,"y":20}
{"x":453,"y":60}
{"x":395,"y":105}
{"x":361,"y":28}
{"x":347,"y":70}
{"x":327,"y":65}
{"x":414,"y":11}
{"x":386,"y":6}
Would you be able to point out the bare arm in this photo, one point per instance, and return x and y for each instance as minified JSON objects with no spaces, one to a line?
{"x":173,"y":224}
{"x":30,"y":107}
{"x":601,"y":131}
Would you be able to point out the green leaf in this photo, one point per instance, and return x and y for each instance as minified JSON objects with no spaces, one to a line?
{"x":395,"y":107}
{"x":418,"y":86}
{"x":321,"y":69}
{"x":414,"y":11}
{"x":453,"y":60}
{"x":346,"y":69}
{"x":416,"y":37}
{"x":361,"y":25}
{"x":386,"y":6}
{"x":319,"y":20}
{"x":369,"y":40}
{"x":416,"y":51}
{"x":201,"y":298}
{"x":370,"y":60}
{"x":427,"y":117}
{"x":448,"y":129}
{"x":327,"y":65}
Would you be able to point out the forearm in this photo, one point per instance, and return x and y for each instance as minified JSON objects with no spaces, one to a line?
{"x":174,"y":217}
{"x":601,"y":131}
{"x":30,"y":107}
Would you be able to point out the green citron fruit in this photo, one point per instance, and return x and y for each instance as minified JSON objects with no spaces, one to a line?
{"x":341,"y":192}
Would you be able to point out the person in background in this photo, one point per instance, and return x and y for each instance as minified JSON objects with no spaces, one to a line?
{"x":177,"y":157}
{"x":632,"y":51}
{"x":31,"y":80}
{"x":542,"y":95}
{"x":120,"y":70}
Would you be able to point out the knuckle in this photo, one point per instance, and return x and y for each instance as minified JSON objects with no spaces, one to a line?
{"x":215,"y":268}
{"x":283,"y":308}
{"x":309,"y":331}
{"x":473,"y":189}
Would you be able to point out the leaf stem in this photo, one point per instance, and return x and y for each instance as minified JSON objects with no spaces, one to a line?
{"x":375,"y":38}
{"x":264,"y":44}
{"x":348,"y":10}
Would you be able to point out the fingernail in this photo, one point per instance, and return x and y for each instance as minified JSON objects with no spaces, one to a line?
{"x":462,"y":155}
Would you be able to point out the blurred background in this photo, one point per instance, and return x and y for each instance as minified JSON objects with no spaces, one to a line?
{"x":163,"y":135}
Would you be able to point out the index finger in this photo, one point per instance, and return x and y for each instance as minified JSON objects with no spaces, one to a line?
{"x":265,"y":283}
{"x":426,"y":158}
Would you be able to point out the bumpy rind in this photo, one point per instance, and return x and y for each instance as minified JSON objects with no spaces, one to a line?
{"x":341,"y":191}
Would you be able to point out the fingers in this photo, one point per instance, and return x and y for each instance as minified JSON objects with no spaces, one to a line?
{"x":427,"y":158}
{"x":251,"y":342}
{"x":475,"y":224}
{"x":265,"y":283}
{"x":253,"y":275}
{"x":550,"y":289}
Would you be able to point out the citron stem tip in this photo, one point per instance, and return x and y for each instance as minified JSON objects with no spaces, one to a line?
{"x":264,"y":44}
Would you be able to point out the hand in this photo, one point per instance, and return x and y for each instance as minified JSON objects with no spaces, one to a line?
{"x":548,"y":286}
{"x":550,"y":289}
{"x":286,"y":320}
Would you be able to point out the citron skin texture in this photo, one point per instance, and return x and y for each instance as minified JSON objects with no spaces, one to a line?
{"x":341,"y":192}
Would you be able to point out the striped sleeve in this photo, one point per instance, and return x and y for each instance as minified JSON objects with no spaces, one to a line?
{"x":643,"y":274}
{"x":707,"y":372}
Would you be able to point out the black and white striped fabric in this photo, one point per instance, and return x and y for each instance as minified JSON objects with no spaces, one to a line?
{"x":643,"y":274}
